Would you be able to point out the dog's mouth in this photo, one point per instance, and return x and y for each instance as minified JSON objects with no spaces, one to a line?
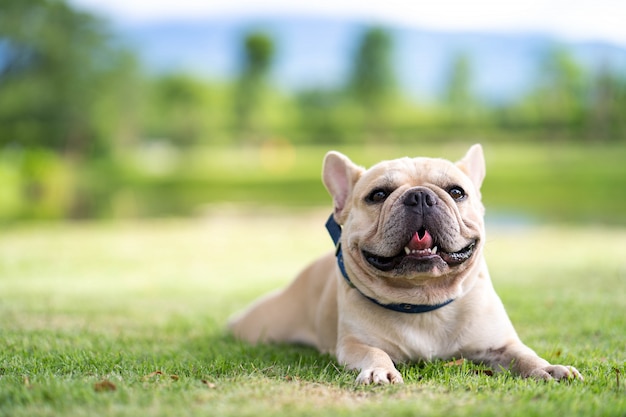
{"x":422,"y":250}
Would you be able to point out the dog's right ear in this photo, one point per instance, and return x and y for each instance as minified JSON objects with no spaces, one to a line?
{"x":339,"y":175}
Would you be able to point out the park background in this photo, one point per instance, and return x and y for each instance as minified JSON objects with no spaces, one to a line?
{"x":104,"y":117}
{"x":158,"y":174}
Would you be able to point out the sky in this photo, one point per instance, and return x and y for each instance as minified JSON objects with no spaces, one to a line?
{"x":586,"y":20}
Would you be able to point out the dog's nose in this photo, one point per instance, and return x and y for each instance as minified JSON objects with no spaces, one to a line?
{"x":420,"y":199}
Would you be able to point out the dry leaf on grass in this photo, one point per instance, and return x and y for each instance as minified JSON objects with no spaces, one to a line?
{"x":159,"y":373}
{"x":104,"y":386}
{"x":457,"y":362}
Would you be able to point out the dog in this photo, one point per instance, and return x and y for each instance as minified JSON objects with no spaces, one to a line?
{"x":407,"y":280}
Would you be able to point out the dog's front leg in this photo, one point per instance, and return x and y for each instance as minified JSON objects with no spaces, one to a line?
{"x":525,"y":362}
{"x":374,"y":364}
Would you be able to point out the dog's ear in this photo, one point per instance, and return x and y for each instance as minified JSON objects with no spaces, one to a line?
{"x":339,"y":175}
{"x":473,"y":164}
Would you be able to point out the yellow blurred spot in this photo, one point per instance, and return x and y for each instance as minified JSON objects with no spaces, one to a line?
{"x":277,"y":155}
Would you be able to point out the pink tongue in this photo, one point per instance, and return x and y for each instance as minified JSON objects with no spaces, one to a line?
{"x":426,"y":241}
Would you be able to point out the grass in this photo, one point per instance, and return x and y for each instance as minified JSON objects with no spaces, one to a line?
{"x":127,"y":319}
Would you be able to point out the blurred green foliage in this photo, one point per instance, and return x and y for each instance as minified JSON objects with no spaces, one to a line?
{"x":372,"y":75}
{"x":86,"y":132}
{"x":251,"y":88}
{"x":63,"y":79}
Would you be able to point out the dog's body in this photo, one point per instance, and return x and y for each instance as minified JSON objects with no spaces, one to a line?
{"x":412,"y":238}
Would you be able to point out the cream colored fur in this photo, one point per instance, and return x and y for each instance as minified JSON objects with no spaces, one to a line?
{"x":320,"y":309}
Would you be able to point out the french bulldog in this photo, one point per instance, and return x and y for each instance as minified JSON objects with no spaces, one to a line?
{"x":407,"y":280}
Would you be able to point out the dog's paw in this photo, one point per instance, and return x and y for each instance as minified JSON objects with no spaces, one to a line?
{"x":379,"y":376}
{"x":556,"y":372}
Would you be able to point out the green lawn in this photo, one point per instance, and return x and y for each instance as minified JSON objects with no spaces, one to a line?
{"x":127,"y":319}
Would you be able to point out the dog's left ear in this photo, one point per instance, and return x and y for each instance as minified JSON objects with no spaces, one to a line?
{"x":473,"y":164}
{"x":339,"y":175}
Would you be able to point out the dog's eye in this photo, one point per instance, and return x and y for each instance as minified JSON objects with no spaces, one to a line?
{"x":378,"y":195}
{"x":457,"y":193}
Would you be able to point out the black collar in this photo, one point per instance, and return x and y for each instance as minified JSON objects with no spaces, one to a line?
{"x":335,"y":233}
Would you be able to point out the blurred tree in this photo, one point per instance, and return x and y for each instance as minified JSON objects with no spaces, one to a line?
{"x":178,"y":104}
{"x":68,"y":92}
{"x":55,"y":66}
{"x":607,"y":105}
{"x":561,"y":93}
{"x":372,"y":80}
{"x":460,"y":102}
{"x":372,"y":77}
{"x":256,"y":62}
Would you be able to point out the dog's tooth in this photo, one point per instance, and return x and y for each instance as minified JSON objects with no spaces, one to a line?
{"x":407,"y":250}
{"x":434,"y":250}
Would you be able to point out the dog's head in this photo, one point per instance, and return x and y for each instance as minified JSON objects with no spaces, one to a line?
{"x":409,"y":224}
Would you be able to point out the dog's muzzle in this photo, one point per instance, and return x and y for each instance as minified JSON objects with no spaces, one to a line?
{"x":422,"y":253}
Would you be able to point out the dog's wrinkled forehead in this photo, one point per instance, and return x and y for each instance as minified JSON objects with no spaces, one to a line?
{"x":412,"y":172}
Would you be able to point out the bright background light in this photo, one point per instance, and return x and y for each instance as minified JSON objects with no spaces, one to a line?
{"x":574,"y":20}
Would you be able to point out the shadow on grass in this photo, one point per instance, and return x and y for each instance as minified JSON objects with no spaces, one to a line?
{"x":208,"y":352}
{"x":227,"y":357}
